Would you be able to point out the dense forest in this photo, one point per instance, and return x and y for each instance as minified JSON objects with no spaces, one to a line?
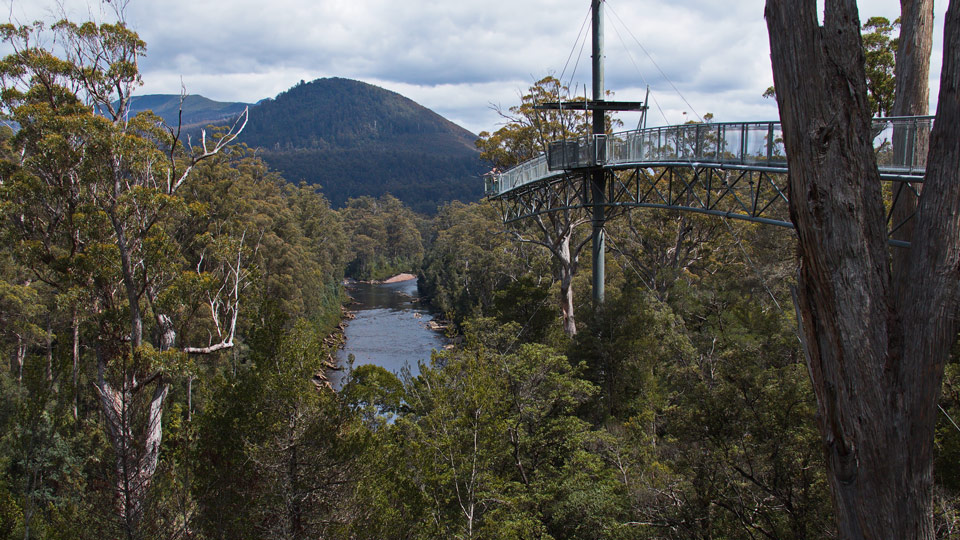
{"x":169,"y":314}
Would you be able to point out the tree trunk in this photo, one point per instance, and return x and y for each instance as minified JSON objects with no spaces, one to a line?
{"x":913,"y":58}
{"x":20,"y":356}
{"x":567,"y":271}
{"x":75,"y":323}
{"x":128,"y":273}
{"x":912,"y":98}
{"x":294,"y":510}
{"x":136,"y":446}
{"x":876,"y":362}
{"x":49,"y":367}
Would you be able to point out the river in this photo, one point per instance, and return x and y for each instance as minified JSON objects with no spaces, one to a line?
{"x":389,"y":330}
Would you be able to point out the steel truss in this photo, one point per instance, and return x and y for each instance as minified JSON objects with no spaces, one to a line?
{"x":751,"y":194}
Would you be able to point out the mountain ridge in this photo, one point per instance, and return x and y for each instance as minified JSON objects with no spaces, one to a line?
{"x":348,"y":137}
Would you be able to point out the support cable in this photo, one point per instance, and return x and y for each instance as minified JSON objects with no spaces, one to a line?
{"x":736,"y":238}
{"x":643,"y":280}
{"x":577,"y":63}
{"x":640,"y":73}
{"x":527,"y":324}
{"x":580,"y":34}
{"x":952,"y":421}
{"x":642,"y":48}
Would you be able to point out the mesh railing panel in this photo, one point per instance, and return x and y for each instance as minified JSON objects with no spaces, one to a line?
{"x":901,"y":145}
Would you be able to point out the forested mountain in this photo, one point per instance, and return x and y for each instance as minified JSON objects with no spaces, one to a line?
{"x":198,"y":111}
{"x":351,"y":138}
{"x":356,"y":139}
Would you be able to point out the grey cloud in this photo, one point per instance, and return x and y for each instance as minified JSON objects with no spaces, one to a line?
{"x":456,"y":57}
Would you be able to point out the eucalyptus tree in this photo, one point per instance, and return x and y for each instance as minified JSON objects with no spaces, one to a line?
{"x":525,"y":135}
{"x":876,"y":340}
{"x":468,"y":268}
{"x":880,"y":48}
{"x":487,"y":444}
{"x":384,"y":236}
{"x":91,"y":204}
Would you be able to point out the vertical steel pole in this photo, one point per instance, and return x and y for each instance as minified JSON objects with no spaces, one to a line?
{"x":598,"y":178}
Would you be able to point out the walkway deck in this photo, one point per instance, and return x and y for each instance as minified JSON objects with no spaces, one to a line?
{"x":753,"y":146}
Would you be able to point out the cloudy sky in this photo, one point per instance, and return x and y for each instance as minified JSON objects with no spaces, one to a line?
{"x":460,"y":57}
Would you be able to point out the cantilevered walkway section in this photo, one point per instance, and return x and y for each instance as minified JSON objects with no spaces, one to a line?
{"x":735,"y":169}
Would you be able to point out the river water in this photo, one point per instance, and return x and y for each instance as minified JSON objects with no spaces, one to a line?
{"x":390,"y":329}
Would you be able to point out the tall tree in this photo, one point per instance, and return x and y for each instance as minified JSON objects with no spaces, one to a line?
{"x":467,"y":268}
{"x":879,"y":50}
{"x":912,"y":98}
{"x":876,"y":352}
{"x":90,"y":199}
{"x":526,"y":135}
{"x":385,"y":237}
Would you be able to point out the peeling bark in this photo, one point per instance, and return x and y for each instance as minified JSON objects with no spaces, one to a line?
{"x":876,"y":357}
{"x":136,"y":448}
{"x":567,"y":271}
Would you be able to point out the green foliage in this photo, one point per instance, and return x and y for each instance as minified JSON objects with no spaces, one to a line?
{"x":472,"y":269}
{"x":384,"y":237}
{"x":629,"y":342}
{"x":374,"y":392}
{"x":45,"y":461}
{"x":880,"y":51}
{"x":283,"y":446}
{"x":298,"y":244}
{"x":122,"y":247}
{"x":528,"y":130}
{"x":487,"y":444}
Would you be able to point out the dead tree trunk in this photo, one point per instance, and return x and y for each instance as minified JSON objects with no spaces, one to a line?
{"x":136,"y":443}
{"x":876,"y":357}
{"x":75,"y":353}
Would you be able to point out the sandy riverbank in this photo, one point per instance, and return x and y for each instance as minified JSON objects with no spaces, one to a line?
{"x":400,"y":277}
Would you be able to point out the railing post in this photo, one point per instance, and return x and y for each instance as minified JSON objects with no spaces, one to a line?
{"x":913,"y":145}
{"x":720,"y":132}
{"x":769,"y":141}
{"x":743,"y":144}
{"x":696,"y":141}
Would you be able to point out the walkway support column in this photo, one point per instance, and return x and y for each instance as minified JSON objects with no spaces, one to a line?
{"x":592,"y":171}
{"x":598,"y":179}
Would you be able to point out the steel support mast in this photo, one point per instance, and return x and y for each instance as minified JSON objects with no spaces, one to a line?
{"x":598,"y":178}
{"x":594,"y":172}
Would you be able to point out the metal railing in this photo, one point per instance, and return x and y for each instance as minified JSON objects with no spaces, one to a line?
{"x":900,"y":144}
{"x":579,"y":153}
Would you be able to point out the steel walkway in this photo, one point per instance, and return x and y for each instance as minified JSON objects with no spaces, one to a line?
{"x":731,"y":169}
